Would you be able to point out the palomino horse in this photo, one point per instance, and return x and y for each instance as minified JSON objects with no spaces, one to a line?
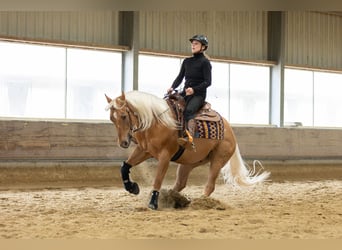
{"x":148,"y":121}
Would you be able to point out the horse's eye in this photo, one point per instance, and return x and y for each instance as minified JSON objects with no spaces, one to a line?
{"x":123,"y":117}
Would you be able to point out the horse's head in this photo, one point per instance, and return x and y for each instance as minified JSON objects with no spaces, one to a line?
{"x":121,"y":116}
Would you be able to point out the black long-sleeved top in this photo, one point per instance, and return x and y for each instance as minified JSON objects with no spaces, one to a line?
{"x":197,"y":73}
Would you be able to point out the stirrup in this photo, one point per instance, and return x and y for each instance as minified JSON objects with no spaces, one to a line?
{"x":187,"y":143}
{"x":182,"y":141}
{"x":190,"y":138}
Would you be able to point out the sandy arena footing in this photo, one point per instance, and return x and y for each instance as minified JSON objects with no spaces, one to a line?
{"x":273,"y":210}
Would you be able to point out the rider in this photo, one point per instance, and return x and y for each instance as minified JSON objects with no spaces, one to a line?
{"x":197,"y":73}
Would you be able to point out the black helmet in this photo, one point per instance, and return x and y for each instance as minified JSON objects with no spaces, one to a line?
{"x":202,"y":39}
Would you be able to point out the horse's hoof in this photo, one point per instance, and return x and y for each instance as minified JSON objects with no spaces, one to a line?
{"x":153,"y":206}
{"x":154,"y":200}
{"x":135,"y":188}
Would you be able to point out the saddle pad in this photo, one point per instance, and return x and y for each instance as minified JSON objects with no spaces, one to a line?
{"x":210,"y":129}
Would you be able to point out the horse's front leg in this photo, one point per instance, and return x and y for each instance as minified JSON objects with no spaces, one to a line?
{"x":162,"y":166}
{"x":135,"y":158}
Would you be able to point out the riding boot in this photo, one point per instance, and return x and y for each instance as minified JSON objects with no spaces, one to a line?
{"x":187,"y":141}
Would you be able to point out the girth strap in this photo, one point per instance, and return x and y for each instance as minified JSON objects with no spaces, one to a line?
{"x":178,"y":153}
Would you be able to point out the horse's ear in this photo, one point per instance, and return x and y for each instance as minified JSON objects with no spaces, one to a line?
{"x":108,"y":99}
{"x":123,"y":97}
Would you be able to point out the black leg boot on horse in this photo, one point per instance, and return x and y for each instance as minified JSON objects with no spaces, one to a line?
{"x":188,"y":141}
{"x":154,"y":200}
{"x":130,"y":186}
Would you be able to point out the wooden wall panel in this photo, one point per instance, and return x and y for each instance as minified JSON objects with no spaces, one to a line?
{"x":314,"y":40}
{"x":38,"y":140}
{"x":94,"y":27}
{"x":237,"y":34}
{"x":41,"y":140}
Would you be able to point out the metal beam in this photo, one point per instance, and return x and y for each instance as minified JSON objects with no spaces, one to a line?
{"x":276,"y":48}
{"x":129,"y":36}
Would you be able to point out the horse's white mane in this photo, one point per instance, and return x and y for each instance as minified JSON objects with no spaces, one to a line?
{"x":150,"y":108}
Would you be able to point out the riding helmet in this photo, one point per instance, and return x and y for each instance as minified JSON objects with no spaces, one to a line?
{"x":202,"y":39}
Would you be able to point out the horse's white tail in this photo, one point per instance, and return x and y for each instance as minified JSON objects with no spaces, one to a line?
{"x":236,"y":171}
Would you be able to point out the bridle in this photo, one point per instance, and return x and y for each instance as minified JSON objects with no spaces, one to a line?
{"x":132,"y":116}
{"x":132,"y":128}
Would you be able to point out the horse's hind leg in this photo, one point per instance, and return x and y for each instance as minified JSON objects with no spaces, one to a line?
{"x":218,"y":159}
{"x":183,"y":172}
{"x":213,"y":173}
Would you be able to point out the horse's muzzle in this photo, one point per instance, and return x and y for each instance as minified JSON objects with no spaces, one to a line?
{"x":125,"y":144}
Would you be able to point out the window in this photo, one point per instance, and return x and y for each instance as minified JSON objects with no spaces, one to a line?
{"x":54,"y":82}
{"x":327,"y":97}
{"x":298,"y":93}
{"x":91,"y":74}
{"x":32,"y":80}
{"x":312,"y":98}
{"x":157,"y":73}
{"x":218,"y":92}
{"x":249,"y":94}
{"x":239,"y":93}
